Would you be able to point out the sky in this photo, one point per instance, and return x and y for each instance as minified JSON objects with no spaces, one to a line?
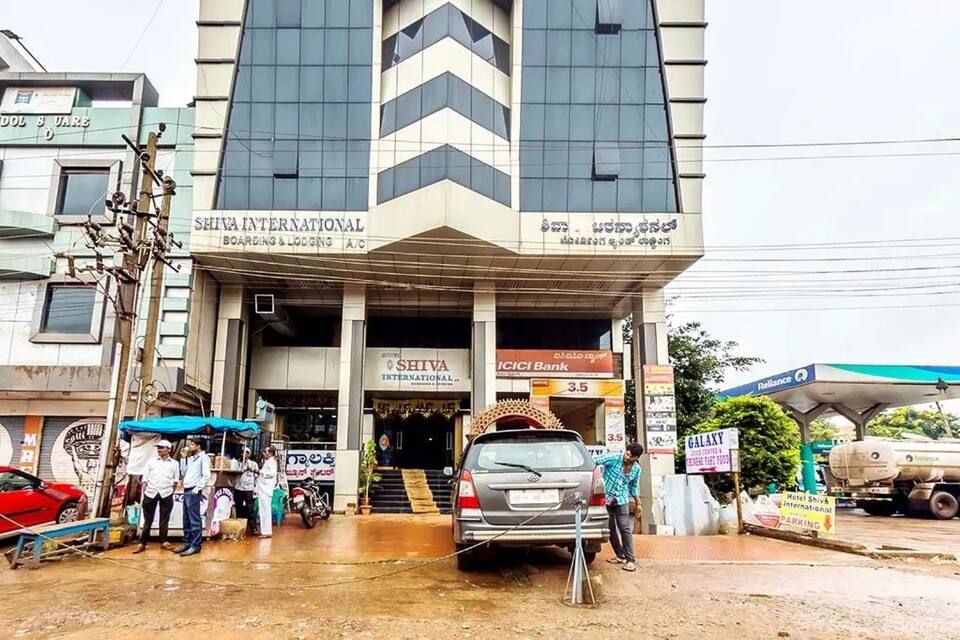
{"x":779,"y":72}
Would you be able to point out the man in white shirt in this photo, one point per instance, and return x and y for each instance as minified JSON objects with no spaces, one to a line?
{"x":243,"y":493}
{"x":159,"y":480}
{"x":195,"y":469}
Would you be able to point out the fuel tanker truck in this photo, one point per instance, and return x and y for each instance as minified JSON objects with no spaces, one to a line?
{"x":885,"y":476}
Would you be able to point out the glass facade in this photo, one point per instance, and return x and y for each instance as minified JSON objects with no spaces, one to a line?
{"x":298,"y":134}
{"x":446,"y":22}
{"x":593,"y":120}
{"x":446,"y":90}
{"x":443,"y":163}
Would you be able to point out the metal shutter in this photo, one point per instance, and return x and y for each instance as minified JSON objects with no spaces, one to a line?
{"x":52,"y":427}
{"x":13,"y":425}
{"x":83,"y":453}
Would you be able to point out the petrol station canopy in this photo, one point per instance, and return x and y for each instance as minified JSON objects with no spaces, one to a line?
{"x":856,"y":391}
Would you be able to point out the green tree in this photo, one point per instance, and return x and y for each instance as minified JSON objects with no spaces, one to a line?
{"x":823,"y":430}
{"x":769,"y":442}
{"x":923,"y":422}
{"x":700,"y":363}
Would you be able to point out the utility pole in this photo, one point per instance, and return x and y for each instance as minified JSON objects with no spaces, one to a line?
{"x":147,"y":393}
{"x":134,"y":253}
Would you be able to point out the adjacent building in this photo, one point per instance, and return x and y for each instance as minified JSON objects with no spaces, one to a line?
{"x":61,"y":158}
{"x":407,"y":210}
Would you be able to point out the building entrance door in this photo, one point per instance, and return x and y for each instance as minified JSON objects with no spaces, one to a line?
{"x":416,"y":441}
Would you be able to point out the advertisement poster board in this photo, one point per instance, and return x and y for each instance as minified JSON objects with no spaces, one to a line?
{"x":616,"y":436}
{"x":524,"y":363}
{"x":808,"y":512}
{"x":30,"y":447}
{"x":713,"y":452}
{"x":660,"y":408}
{"x":576,"y":388}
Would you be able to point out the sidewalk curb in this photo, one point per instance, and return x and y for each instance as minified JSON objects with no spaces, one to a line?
{"x":851,"y":547}
{"x":823,"y":543}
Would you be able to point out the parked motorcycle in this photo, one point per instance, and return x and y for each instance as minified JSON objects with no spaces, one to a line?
{"x":307,"y":499}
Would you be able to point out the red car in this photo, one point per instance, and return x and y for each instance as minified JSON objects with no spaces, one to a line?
{"x":30,"y":501}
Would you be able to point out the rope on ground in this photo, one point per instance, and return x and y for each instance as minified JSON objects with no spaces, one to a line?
{"x":251,"y":585}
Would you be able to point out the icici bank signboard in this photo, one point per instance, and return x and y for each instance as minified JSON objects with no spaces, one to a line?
{"x":539,"y":363}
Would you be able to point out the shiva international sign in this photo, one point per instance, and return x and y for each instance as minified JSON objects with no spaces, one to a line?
{"x":417,"y":370}
{"x":525,"y":363}
{"x":296,"y":232}
{"x":808,"y":512}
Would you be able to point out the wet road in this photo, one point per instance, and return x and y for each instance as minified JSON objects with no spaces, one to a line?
{"x":907,"y":532}
{"x":718,"y":587}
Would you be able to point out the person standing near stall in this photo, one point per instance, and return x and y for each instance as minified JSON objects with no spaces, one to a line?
{"x":159,"y":480}
{"x":266,"y":483}
{"x":195,"y":469}
{"x":245,"y":488}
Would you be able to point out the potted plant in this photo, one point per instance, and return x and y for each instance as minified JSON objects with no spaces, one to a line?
{"x":368,"y":463}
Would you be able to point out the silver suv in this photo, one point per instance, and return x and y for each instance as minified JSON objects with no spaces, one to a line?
{"x":518,"y":488}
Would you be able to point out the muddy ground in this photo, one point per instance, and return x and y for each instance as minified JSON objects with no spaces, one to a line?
{"x":302,"y":585}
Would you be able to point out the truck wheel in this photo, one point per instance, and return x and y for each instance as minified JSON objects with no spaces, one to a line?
{"x":943,"y":505}
{"x":879,"y":508}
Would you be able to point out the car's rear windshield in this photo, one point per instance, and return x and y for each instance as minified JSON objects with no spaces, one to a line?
{"x":542,"y":454}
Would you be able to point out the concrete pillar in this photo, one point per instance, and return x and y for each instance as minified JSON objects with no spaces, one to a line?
{"x":807,"y":463}
{"x":353,"y":337}
{"x":230,"y":355}
{"x":483,"y":354}
{"x":649,"y":346}
{"x":858,"y":419}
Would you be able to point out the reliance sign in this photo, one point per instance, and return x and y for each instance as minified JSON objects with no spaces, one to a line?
{"x":532,"y":363}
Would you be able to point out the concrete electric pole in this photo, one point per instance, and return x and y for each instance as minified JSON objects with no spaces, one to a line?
{"x":135,"y":251}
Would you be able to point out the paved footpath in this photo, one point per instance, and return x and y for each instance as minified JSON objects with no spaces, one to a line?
{"x":370,"y":577}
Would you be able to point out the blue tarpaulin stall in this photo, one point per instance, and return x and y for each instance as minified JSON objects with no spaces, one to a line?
{"x":218,"y":497}
{"x":190,"y":425}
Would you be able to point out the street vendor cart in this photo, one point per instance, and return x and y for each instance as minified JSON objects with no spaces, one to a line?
{"x":225,"y":440}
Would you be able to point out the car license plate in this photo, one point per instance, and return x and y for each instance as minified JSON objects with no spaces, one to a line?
{"x":534,"y":496}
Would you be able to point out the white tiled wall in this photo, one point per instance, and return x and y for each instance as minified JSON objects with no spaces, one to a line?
{"x":17,"y":303}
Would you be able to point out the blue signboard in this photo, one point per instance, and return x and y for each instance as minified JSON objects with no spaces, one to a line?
{"x":778,"y":382}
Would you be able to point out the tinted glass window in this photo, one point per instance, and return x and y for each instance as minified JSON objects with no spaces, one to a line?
{"x":446,"y":21}
{"x":304,"y":66}
{"x":591,"y":73}
{"x":83,"y":191}
{"x":541,"y":454}
{"x":68,"y":310}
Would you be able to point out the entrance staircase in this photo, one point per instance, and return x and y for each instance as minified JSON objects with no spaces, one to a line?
{"x":390,"y":494}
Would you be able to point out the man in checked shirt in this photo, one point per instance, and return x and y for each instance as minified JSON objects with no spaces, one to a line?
{"x":621,"y":475}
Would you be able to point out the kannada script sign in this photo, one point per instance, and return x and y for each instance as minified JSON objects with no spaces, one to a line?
{"x":309,"y":463}
{"x":526,"y":363}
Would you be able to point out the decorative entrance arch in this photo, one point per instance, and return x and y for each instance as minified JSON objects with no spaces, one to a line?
{"x":535,"y":417}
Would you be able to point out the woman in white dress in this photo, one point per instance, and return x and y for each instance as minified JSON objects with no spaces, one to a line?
{"x":266,"y":483}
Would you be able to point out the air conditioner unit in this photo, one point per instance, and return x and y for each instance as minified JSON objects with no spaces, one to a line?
{"x":263,"y":304}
